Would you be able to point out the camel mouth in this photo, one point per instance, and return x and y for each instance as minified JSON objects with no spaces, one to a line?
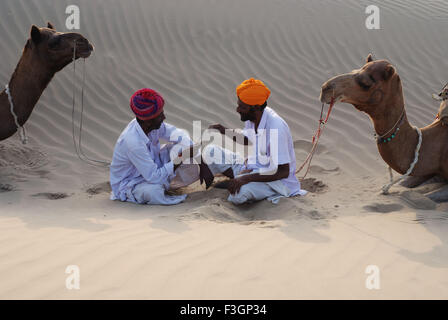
{"x":323,"y":97}
{"x":86,"y":52}
{"x":326,"y":96}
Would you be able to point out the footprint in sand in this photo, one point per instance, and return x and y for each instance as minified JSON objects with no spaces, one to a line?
{"x":51,"y":196}
{"x":20,"y":157}
{"x":6,"y":187}
{"x":99,"y":188}
{"x":313,"y":185}
{"x":383,"y":208}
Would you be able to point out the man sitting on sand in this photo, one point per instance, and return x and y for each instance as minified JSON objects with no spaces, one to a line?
{"x":256,"y":178}
{"x":141,"y":170}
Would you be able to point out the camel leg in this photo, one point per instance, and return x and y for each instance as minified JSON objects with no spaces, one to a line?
{"x":412,"y":182}
{"x":440,"y":195}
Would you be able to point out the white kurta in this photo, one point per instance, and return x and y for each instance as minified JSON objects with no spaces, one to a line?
{"x":141,"y":170}
{"x":273,"y":146}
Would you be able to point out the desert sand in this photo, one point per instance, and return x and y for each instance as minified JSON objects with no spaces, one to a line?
{"x":55,"y":209}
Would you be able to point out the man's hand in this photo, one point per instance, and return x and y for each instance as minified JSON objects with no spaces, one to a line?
{"x":218,"y":127}
{"x":181,"y":156}
{"x":187,"y":153}
{"x":236,"y":184}
{"x":245,"y":171}
{"x":205,"y":174}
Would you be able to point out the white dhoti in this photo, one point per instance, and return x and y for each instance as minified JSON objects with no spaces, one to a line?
{"x":147,"y":193}
{"x":253,"y":191}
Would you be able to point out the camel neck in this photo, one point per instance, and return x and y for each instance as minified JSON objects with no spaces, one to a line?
{"x":27,"y":83}
{"x":389,"y":116}
{"x":398,"y":153}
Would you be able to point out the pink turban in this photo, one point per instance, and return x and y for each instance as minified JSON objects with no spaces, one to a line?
{"x":146,"y":104}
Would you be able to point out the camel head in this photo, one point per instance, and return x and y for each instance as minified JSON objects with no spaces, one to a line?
{"x":370,"y":89}
{"x":55,"y":49}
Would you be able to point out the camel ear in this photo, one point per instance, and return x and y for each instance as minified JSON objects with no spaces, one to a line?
{"x":388,"y":72}
{"x":50,"y":25}
{"x":369,"y":58}
{"x":35,"y":34}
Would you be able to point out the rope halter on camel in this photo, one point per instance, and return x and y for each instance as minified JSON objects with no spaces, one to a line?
{"x":316,"y":137}
{"x":20,"y":128}
{"x":78,"y":147}
{"x":411,"y":167}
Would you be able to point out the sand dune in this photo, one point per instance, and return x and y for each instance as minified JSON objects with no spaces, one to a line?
{"x":55,"y":208}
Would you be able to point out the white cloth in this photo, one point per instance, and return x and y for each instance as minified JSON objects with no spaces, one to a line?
{"x":147,"y":193}
{"x":139,"y":159}
{"x":253,"y":191}
{"x":273,"y":146}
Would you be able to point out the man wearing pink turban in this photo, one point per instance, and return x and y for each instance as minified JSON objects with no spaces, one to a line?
{"x":141,"y":171}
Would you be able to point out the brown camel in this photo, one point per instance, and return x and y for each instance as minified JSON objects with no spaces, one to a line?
{"x":45,"y":53}
{"x":376,"y":90}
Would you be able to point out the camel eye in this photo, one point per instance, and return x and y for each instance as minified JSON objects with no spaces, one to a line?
{"x":364,"y":86}
{"x":362,"y":83}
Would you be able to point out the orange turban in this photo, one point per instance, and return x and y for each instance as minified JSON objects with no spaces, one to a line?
{"x":253,"y":92}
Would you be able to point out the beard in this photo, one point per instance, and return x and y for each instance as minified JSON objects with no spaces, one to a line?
{"x":159,"y":125}
{"x":156,"y":126}
{"x":250,"y":116}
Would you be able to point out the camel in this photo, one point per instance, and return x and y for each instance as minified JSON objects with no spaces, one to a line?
{"x":45,"y":53}
{"x":376,"y":90}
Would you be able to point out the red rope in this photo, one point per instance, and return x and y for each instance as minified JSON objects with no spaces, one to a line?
{"x":316,"y":137}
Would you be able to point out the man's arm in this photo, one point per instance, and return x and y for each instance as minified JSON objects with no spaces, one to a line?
{"x":141,"y":159}
{"x":232,"y":133}
{"x":236,"y":184}
{"x":173,"y":134}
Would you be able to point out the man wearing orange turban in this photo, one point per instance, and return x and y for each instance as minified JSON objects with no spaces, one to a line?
{"x":253,"y":92}
{"x":269,"y":171}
